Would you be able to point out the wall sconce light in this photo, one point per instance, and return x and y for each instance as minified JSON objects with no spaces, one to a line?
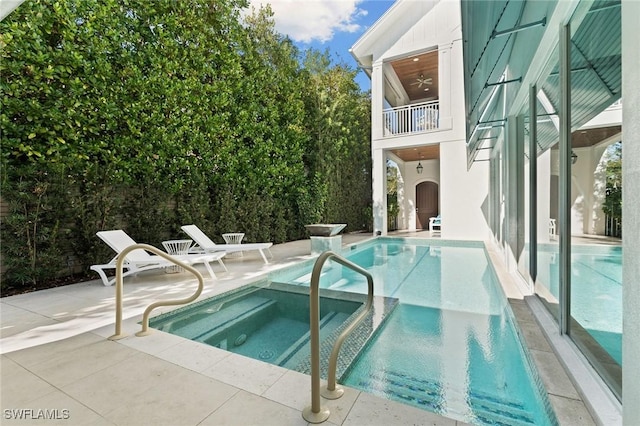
{"x":574,"y":157}
{"x":419,"y":168}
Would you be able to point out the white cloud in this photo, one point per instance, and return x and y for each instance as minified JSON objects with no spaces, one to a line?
{"x":314,"y":20}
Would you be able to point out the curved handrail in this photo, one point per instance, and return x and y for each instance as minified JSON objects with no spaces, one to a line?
{"x":315,"y":413}
{"x":145,"y":318}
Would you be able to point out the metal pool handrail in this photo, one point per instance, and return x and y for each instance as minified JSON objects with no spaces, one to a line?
{"x":151,"y":307}
{"x":315,"y":413}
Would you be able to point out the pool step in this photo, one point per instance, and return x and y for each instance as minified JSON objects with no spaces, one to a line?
{"x":340,"y":284}
{"x":427,"y":394}
{"x":203,"y":325}
{"x":328,"y":279}
{"x":301,"y":348}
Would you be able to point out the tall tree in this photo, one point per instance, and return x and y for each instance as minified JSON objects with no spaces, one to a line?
{"x":339,"y":153}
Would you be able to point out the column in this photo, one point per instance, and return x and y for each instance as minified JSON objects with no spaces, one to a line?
{"x":631,"y":212}
{"x":379,"y":177}
{"x":377,"y":101}
{"x":379,"y":171}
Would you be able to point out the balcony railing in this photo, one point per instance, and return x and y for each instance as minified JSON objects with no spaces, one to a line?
{"x":408,"y":119}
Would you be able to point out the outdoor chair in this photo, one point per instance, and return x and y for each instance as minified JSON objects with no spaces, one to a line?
{"x":435,"y":222}
{"x":139,"y":260}
{"x":204,"y":244}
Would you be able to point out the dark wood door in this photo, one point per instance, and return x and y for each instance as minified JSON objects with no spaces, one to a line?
{"x":426,"y":203}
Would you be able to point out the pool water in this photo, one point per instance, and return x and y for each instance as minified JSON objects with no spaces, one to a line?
{"x":456,"y":371}
{"x":451,"y":345}
{"x":262,"y":323}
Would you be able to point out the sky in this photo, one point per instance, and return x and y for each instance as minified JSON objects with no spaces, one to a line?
{"x":332,"y":24}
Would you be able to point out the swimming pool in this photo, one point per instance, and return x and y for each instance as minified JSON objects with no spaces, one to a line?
{"x":451,"y":345}
{"x":441,"y":336}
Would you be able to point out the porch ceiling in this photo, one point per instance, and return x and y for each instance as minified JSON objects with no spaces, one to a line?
{"x":591,"y":137}
{"x":419,"y":153}
{"x":414,"y":73}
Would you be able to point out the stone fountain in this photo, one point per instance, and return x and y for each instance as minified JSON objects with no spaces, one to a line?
{"x":324,"y":236}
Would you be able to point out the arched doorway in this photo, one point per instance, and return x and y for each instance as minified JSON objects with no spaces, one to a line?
{"x":426,"y":203}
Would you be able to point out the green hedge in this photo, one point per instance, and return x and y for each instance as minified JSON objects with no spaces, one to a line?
{"x":147,"y":115}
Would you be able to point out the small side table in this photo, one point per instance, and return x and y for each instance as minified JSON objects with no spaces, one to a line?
{"x":176,"y":247}
{"x":234,"y":238}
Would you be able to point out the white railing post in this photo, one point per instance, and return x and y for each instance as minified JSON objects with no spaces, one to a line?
{"x":408,"y":119}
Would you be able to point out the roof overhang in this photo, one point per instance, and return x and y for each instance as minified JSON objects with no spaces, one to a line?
{"x":507,"y":46}
{"x":388,"y":29}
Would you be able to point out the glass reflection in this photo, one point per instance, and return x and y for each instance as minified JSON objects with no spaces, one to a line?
{"x":523,"y":260}
{"x":596,"y":185}
{"x":547,"y":278}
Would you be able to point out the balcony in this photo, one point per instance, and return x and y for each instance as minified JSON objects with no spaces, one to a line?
{"x":411,"y":119}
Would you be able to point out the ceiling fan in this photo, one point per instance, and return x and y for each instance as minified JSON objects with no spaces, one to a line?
{"x":420,"y":81}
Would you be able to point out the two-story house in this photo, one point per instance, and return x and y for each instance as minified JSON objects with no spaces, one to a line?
{"x":413,"y":55}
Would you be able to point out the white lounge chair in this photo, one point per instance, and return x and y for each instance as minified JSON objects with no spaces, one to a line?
{"x":206,"y":245}
{"x":139,"y":260}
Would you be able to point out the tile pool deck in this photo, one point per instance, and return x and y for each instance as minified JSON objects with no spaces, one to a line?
{"x":56,"y":357}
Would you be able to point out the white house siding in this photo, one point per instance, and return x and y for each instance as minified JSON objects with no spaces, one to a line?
{"x":463,"y":193}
